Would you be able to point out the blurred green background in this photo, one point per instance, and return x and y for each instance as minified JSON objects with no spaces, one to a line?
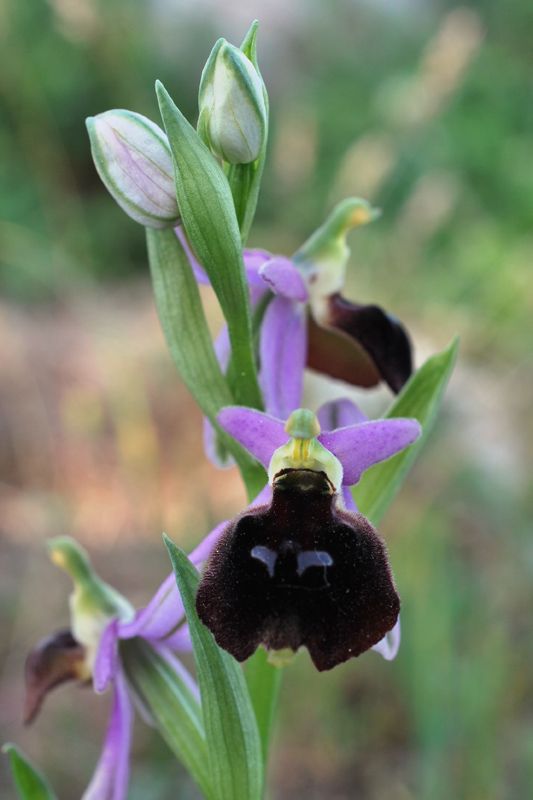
{"x":425,"y":109}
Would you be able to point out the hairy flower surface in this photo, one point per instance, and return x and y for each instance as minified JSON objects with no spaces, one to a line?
{"x":304,"y":568}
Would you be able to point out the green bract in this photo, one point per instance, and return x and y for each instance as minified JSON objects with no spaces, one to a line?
{"x":208,"y":213}
{"x":189,"y":342}
{"x":233,"y":743}
{"x":173,"y":707}
{"x":30,"y":782}
{"x":420,"y":399}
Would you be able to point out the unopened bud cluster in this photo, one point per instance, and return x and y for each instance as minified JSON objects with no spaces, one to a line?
{"x":132,"y":154}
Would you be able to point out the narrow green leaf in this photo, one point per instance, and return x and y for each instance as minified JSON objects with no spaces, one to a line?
{"x":208,"y":214}
{"x":185,"y":328}
{"x":183,"y":322}
{"x":30,"y":782}
{"x":233,"y":743}
{"x":263,"y":684}
{"x":249,"y":44}
{"x":172,"y":705}
{"x":420,"y":399}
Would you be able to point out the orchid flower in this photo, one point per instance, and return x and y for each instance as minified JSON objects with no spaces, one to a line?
{"x":100,"y":619}
{"x":308,"y":323}
{"x":304,"y":568}
{"x":357,"y":442}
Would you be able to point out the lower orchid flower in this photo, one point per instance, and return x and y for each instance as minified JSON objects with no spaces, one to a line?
{"x":90,"y":652}
{"x":304,"y":568}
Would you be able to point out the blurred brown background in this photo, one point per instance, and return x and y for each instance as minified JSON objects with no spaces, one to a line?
{"x":423,"y":108}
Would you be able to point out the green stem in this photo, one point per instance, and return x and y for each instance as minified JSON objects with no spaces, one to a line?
{"x":263,"y":684}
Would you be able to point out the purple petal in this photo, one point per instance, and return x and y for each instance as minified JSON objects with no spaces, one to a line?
{"x":106,"y":658}
{"x":259,"y":433}
{"x":282,"y":277}
{"x":110,"y":778}
{"x":388,"y":647}
{"x":253,"y":261}
{"x":359,"y":447}
{"x":179,"y":641}
{"x":203,"y":551}
{"x":340,"y":414}
{"x":198,"y":270}
{"x":222,"y":347}
{"x":163,"y":613}
{"x":263,"y":497}
{"x":176,"y":665}
{"x":283,"y":353}
{"x":218,"y":457}
{"x":256,"y":293}
{"x":349,"y":502}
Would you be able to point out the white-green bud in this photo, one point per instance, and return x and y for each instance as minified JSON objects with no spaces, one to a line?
{"x":133,"y":159}
{"x":232,"y":108}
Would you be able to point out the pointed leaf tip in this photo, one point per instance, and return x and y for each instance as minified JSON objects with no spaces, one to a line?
{"x":420,"y":399}
{"x":30,"y":782}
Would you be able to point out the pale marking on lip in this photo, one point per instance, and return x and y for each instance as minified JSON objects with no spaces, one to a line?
{"x":309,"y":558}
{"x":266,"y":556}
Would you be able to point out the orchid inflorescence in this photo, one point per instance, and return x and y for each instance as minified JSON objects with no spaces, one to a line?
{"x":301,"y":566}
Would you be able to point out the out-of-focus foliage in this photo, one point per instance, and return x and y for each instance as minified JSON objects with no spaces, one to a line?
{"x":423,"y":108}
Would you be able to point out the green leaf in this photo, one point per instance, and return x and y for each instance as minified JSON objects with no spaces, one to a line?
{"x":245,"y":179}
{"x":419,"y":399}
{"x":249,"y":44}
{"x":183,"y":321}
{"x":208,"y":214}
{"x":171,"y":704}
{"x":233,"y":743}
{"x":185,"y":328}
{"x":30,"y":782}
{"x":263,"y":681}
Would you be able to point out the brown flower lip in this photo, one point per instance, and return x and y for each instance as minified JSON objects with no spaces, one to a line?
{"x":360,"y":344}
{"x":299,"y":571}
{"x":54,"y":660}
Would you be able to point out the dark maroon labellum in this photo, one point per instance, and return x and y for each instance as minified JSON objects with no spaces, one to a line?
{"x":299,"y":571}
{"x":361,"y":345}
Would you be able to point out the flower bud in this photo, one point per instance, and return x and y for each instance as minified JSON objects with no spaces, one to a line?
{"x":232,"y":117}
{"x":133,"y":159}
